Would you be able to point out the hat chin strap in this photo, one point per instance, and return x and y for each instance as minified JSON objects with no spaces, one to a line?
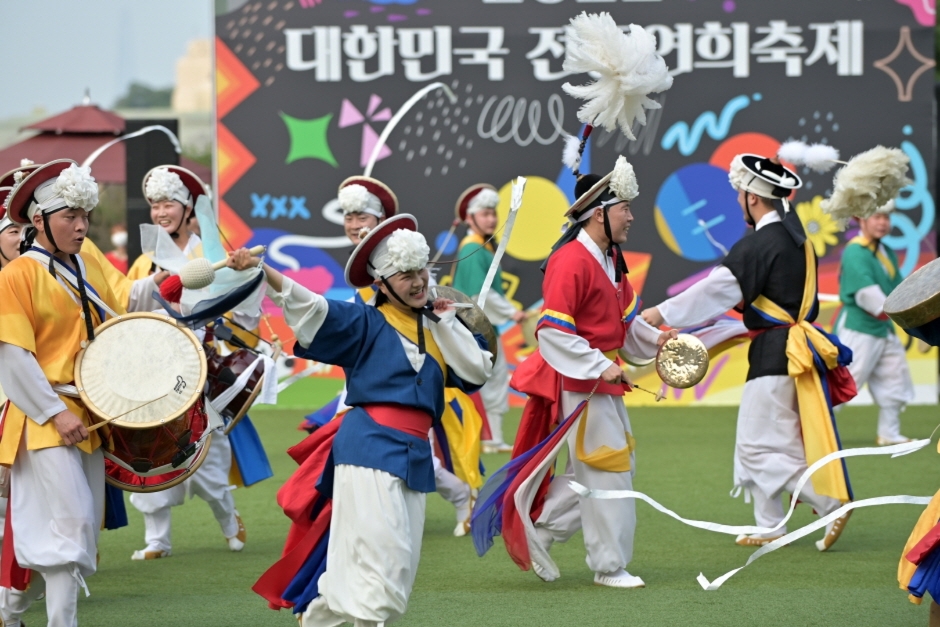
{"x":426,"y":311}
{"x":613,"y":250}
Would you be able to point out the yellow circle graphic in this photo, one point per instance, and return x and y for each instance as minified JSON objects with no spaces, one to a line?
{"x":540,"y":218}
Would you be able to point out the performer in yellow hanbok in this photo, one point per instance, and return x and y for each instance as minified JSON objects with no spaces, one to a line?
{"x":53,"y":298}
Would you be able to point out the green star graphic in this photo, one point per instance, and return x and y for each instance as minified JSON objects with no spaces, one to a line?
{"x":308,"y":139}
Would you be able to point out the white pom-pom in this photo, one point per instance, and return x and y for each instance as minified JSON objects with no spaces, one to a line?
{"x":363,"y":232}
{"x":485,"y":199}
{"x":626,"y":66}
{"x":866,"y":183}
{"x":18,"y":177}
{"x":571,"y":156}
{"x":77,"y":188}
{"x":407,"y":251}
{"x":197,"y":274}
{"x":162,"y":184}
{"x":623,"y":180}
{"x":793,"y":152}
{"x":821,"y":158}
{"x":354,"y":199}
{"x":26,"y":162}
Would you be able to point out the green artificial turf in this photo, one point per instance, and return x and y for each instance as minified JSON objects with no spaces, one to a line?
{"x":683,"y":460}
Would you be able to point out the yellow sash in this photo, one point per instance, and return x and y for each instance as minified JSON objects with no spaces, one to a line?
{"x":604,"y":457}
{"x":861,"y":240}
{"x":407,"y":325}
{"x":819,"y":435}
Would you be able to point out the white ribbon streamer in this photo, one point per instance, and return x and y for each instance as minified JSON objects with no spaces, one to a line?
{"x":896,"y":450}
{"x":810,"y":528}
{"x":518,"y":188}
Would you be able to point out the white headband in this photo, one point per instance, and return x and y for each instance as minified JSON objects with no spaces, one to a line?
{"x":402,"y":251}
{"x":486,"y":199}
{"x":163,"y":184}
{"x":6,"y":223}
{"x":357,"y":199}
{"x":74,"y":188}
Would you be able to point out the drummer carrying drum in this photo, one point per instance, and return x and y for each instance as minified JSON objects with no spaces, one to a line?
{"x":53,"y":298}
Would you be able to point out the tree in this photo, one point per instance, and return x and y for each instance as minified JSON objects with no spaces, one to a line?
{"x":140,"y":96}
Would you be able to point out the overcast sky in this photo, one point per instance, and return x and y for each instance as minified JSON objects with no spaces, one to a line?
{"x":51,"y":50}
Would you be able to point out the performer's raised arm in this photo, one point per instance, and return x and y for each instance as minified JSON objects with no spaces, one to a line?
{"x":709,"y":298}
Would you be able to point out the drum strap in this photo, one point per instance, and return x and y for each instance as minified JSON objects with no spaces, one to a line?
{"x":69,"y":275}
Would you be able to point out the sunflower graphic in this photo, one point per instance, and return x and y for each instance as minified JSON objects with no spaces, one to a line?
{"x":820,"y":227}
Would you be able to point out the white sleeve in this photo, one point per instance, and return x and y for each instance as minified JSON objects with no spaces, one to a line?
{"x":141,"y":297}
{"x":304,"y":311}
{"x":498,"y":309}
{"x":709,"y":298}
{"x":247,"y":321}
{"x":642,"y":340}
{"x":871,"y":299}
{"x":25,"y":384}
{"x":571,"y":355}
{"x":461,"y":352}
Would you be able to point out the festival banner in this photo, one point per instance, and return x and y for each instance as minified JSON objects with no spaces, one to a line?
{"x":305,"y":89}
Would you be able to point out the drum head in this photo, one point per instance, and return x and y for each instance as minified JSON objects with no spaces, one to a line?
{"x":916,"y":301}
{"x":473,"y":318}
{"x":682,"y":362}
{"x":141,"y":368}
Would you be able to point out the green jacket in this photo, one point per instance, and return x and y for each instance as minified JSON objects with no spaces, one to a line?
{"x":471,"y":271}
{"x":862,"y":267}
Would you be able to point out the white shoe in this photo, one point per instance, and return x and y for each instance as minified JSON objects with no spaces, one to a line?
{"x":234,"y":544}
{"x":237,"y":542}
{"x":618,"y":579}
{"x":146,"y":554}
{"x":880,"y":441}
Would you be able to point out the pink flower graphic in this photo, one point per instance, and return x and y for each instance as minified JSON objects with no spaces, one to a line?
{"x":349,"y":115}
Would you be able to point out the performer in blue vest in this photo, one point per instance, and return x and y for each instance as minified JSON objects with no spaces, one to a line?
{"x":358,"y":499}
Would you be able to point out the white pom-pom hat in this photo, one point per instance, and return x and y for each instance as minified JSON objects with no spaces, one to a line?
{"x":51,"y":187}
{"x":393,"y":246}
{"x":364,"y":194}
{"x":618,"y":186}
{"x":475,"y":198}
{"x":171,"y":182}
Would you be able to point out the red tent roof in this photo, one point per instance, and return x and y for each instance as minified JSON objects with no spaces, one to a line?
{"x":81,"y":119}
{"x":77,"y":133}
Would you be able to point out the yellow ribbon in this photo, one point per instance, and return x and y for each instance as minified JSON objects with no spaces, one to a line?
{"x":604,"y":457}
{"x":861,"y":240}
{"x":819,"y":436}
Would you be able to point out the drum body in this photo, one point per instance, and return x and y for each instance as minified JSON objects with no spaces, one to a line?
{"x":154,"y":459}
{"x":145,"y":376}
{"x":224,"y":371}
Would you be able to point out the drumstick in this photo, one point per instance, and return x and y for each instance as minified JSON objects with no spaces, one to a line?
{"x":659,"y":395}
{"x":195,"y":275}
{"x":112,"y":419}
{"x":98,"y":425}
